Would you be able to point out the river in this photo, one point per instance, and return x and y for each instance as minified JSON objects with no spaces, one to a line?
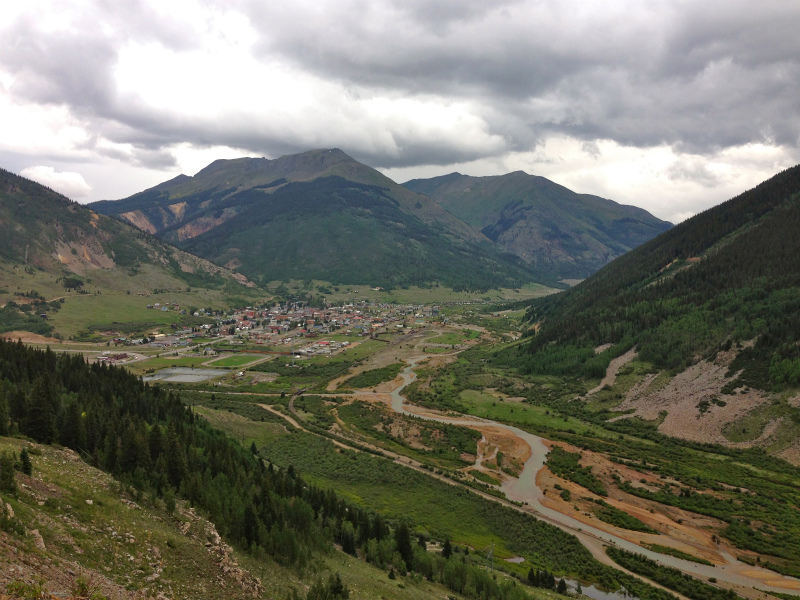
{"x":525,"y":490}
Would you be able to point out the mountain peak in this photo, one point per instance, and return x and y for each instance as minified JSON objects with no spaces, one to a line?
{"x":545,"y":224}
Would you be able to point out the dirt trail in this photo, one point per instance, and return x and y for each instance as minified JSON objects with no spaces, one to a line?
{"x":613,"y":369}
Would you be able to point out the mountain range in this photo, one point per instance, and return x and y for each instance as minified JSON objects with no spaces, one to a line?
{"x":323,"y":215}
{"x":548,"y":226}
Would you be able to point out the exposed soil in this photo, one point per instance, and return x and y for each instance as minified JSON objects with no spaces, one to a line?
{"x":681,"y":400}
{"x":137,"y":219}
{"x":613,"y":369}
{"x":28,"y":338}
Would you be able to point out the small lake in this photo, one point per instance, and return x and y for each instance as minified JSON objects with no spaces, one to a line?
{"x":185,"y":375}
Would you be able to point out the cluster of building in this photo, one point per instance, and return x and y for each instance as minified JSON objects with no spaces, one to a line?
{"x":282,"y":323}
{"x":350,"y":319}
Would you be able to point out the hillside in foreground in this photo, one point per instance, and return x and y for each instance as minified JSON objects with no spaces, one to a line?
{"x":149,"y":529}
{"x":548,"y":226}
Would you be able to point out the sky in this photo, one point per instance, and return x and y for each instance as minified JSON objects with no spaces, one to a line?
{"x":673,"y":106}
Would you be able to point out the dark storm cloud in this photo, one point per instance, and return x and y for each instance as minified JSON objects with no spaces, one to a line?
{"x":700,"y":76}
{"x":696,"y":76}
{"x":63,"y":68}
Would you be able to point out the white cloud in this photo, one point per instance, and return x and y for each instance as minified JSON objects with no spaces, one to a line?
{"x":68,"y":183}
{"x":672,"y":106}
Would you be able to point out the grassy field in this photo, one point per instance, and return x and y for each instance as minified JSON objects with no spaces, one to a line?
{"x":459,"y":337}
{"x":165,"y":361}
{"x":107,"y":299}
{"x":109,"y":311}
{"x":360,"y":351}
{"x":489,"y":406}
{"x":243,"y":429}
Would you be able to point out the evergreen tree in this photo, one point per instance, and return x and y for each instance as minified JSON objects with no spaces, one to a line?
{"x":40,"y":419}
{"x":4,"y":411}
{"x":176,"y":460}
{"x":333,"y":590}
{"x":7,"y":482}
{"x":72,"y":433}
{"x":402,"y":537}
{"x":447,"y":549}
{"x":250,"y":525}
{"x":155,"y":442}
{"x":379,"y":528}
{"x":110,"y":452}
{"x":562,"y":586}
{"x":348,"y":538}
{"x":25,"y":462}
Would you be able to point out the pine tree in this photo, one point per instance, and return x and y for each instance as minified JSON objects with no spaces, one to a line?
{"x":7,"y":482}
{"x":40,"y":418}
{"x":25,"y":462}
{"x":562,"y":586}
{"x":72,"y":432}
{"x":176,"y":459}
{"x":155,"y":442}
{"x":402,"y":537}
{"x":4,"y":412}
{"x":447,"y":549}
{"x":110,"y":452}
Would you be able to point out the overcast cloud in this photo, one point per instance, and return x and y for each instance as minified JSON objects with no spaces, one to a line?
{"x":670,"y":105}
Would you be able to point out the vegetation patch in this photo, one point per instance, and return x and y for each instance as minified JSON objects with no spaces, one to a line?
{"x":669,"y":577}
{"x":373,"y":377}
{"x":619,"y":518}
{"x":566,"y":464}
{"x":236,"y":361}
{"x":426,"y":439}
{"x":484,"y":477}
{"x":669,"y":550}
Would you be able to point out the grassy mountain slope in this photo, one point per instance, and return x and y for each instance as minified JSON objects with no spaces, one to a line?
{"x":55,"y":247}
{"x":192,"y":205}
{"x":47,"y":232}
{"x":550,"y":227}
{"x":726,"y":276}
{"x":88,"y":547}
{"x":319,"y":215}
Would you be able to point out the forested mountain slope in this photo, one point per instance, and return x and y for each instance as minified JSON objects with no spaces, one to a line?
{"x":723,"y":277}
{"x":318,"y":215}
{"x":550,"y":227}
